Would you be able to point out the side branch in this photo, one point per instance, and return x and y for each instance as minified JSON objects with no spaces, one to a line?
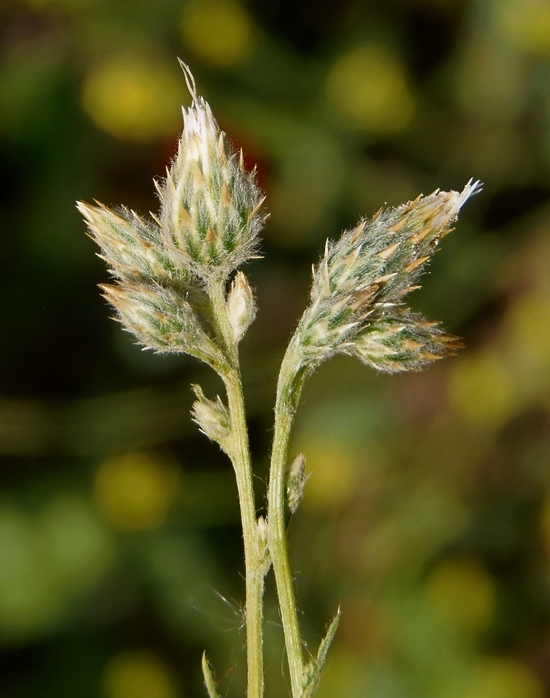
{"x":287,"y":397}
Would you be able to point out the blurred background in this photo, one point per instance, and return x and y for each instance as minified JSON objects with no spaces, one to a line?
{"x":427,"y":515}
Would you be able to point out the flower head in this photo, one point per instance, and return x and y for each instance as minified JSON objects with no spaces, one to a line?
{"x":358,"y":288}
{"x":208,"y":225}
{"x":210,"y":205}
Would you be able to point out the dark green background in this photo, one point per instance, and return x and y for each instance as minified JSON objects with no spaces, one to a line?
{"x":427,"y":516}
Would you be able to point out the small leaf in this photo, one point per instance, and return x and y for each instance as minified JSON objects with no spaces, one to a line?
{"x":314,"y":669}
{"x":209,"y":680}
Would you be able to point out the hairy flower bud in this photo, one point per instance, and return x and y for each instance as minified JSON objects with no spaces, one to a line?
{"x":210,"y":205}
{"x":296,"y":482}
{"x":241,"y":306}
{"x":359,"y":285}
{"x":403,"y":341}
{"x":264,"y":558}
{"x":212,"y":418}
{"x":161,"y":319}
{"x":134,"y":248}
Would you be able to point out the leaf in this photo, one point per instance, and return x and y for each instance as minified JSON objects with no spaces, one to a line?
{"x":314,"y":669}
{"x":209,"y":680}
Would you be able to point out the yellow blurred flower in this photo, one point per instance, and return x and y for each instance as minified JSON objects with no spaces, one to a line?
{"x":462,"y":594}
{"x":220,"y":32}
{"x":369,"y":86}
{"x":135,"y":491}
{"x":132,"y":97}
{"x":139,"y":675}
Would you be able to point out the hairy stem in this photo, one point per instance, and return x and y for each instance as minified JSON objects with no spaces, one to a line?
{"x":285,"y":408}
{"x":240,"y":456}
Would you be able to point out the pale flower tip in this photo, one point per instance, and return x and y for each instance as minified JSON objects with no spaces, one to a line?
{"x":449,"y":203}
{"x":471,"y":189}
{"x":189,"y":79}
{"x":85,"y":210}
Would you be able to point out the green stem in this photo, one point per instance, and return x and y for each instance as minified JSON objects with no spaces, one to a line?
{"x":240,"y":456}
{"x":285,"y":408}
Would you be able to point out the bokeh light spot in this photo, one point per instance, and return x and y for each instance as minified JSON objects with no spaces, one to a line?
{"x":132,"y":97}
{"x":462,"y":594}
{"x":345,"y":675}
{"x":503,"y":678}
{"x":525,"y":24}
{"x":134,"y":491}
{"x":220,"y":32}
{"x":16,"y":541}
{"x":28,"y":598}
{"x":139,"y":675}
{"x":368,"y":86}
{"x":80,"y":549}
{"x":47,"y":564}
{"x":529,"y":325}
{"x":481,"y":390}
{"x":332,"y":474}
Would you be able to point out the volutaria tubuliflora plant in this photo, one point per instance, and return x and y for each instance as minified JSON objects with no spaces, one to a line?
{"x":177,"y":288}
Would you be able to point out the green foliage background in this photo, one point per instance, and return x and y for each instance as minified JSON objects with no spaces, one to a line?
{"x":427,"y":516}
